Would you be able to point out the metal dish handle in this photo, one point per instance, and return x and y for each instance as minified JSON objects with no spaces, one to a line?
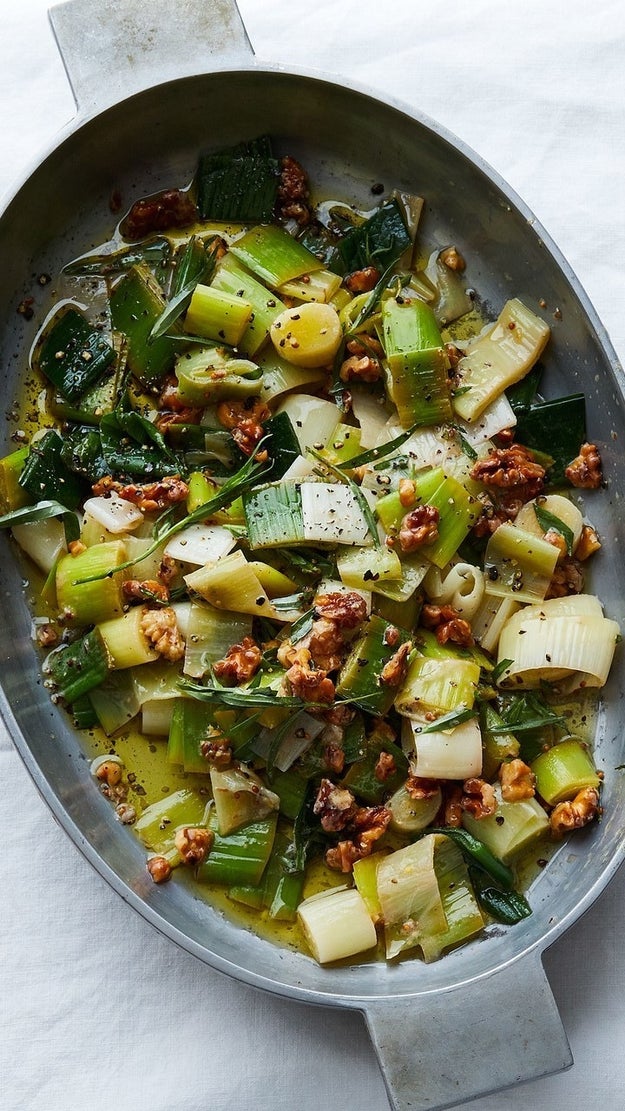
{"x":113,"y":48}
{"x":442,"y":1049}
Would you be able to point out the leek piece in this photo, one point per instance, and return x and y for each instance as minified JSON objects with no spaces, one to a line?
{"x":125,"y":640}
{"x":365,"y":874}
{"x":83,"y":598}
{"x":113,"y":515}
{"x":379,"y":241}
{"x":437,"y":686}
{"x":116,"y":701}
{"x":361,"y":778}
{"x":409,"y":896}
{"x":398,"y":613}
{"x":490,"y":619}
{"x":579,"y":648}
{"x":136,"y":304}
{"x":209,"y":374}
{"x":280,"y":890}
{"x":159,"y":821}
{"x":283,"y":445}
{"x":366,"y":568}
{"x":389,"y":508}
{"x":360,"y":677}
{"x":462,"y":913}
{"x":156,"y":715}
{"x":274,"y":582}
{"x":417,"y":379}
{"x":45,"y":475}
{"x":447,"y":753}
{"x":452,"y":299}
{"x":331,"y":514}
{"x":77,"y":668}
{"x":307,"y":335}
{"x":233,"y":279}
{"x":496,"y":746}
{"x":564,"y":770}
{"x":217,"y":315}
{"x":273,"y":515}
{"x":199,"y":544}
{"x":561,"y":424}
{"x":314,"y":420}
{"x":500,"y":358}
{"x":239,"y":858}
{"x":414,"y":568}
{"x":238,"y":183}
{"x":280,"y":377}
{"x":201,"y":490}
{"x":336,"y":924}
{"x":458,"y":512}
{"x":274,"y":256}
{"x":343,"y":445}
{"x":462,"y":587}
{"x":43,"y":542}
{"x":72,"y":354}
{"x":512,"y":828}
{"x":191,"y":723}
{"x":240,"y":797}
{"x":321,"y":285}
{"x":291,"y":788}
{"x":231,"y":585}
{"x":12,"y":495}
{"x":518,"y":563}
{"x":211,"y":633}
{"x":412,"y":815}
{"x":567,"y":517}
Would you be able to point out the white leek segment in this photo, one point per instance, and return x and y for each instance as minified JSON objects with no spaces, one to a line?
{"x":496,"y":416}
{"x":336,"y":924}
{"x":513,"y":827}
{"x":446,"y":754}
{"x":371,"y":414}
{"x":519,"y":564}
{"x":125,"y":640}
{"x":331,"y":515}
{"x":438,"y":686}
{"x":211,"y":632}
{"x":114,"y":514}
{"x":562,"y":508}
{"x":463,"y":915}
{"x":156,"y":715}
{"x":461,"y":586}
{"x":490,"y":618}
{"x":200,"y":544}
{"x":409,"y":896}
{"x":549,"y":643}
{"x":499,"y":358}
{"x":43,"y":541}
{"x":231,"y":584}
{"x":240,"y":797}
{"x":366,"y":568}
{"x":320,"y":285}
{"x":313,"y":419}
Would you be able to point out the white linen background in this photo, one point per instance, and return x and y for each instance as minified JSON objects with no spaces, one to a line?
{"x":96,"y":1009}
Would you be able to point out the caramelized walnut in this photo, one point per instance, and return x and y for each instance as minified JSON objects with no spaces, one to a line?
{"x":172,"y":208}
{"x":334,"y":806}
{"x":478,"y":798}
{"x":448,"y":624}
{"x":244,"y":420}
{"x":240,"y":663}
{"x":159,"y":868}
{"x":452,"y":259}
{"x":347,"y":608}
{"x":194,"y":845}
{"x":588,"y":543}
{"x":517,"y":781}
{"x":512,"y":466}
{"x":149,"y":496}
{"x":217,"y":749}
{"x":293,"y":193}
{"x":161,"y":630}
{"x":362,"y":281}
{"x":585,"y":471}
{"x":419,"y":788}
{"x":575,"y":813}
{"x":394,"y":671}
{"x":148,"y":590}
{"x":368,"y":825}
{"x":567,"y":578}
{"x":360,"y":369}
{"x":419,"y":527}
{"x":385,"y":767}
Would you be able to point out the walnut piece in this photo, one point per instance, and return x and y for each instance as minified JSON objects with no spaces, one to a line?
{"x":244,"y":420}
{"x":517,"y":781}
{"x":588,"y":543}
{"x":217,"y":749}
{"x":452,"y":259}
{"x":510,"y":467}
{"x":161,"y":629}
{"x":478,"y":798}
{"x":347,"y":608}
{"x":362,"y":281}
{"x":159,"y":868}
{"x":308,"y":684}
{"x":194,"y":845}
{"x":385,"y":767}
{"x":394,"y":671}
{"x":172,"y":208}
{"x":334,"y":806}
{"x":148,"y":590}
{"x":585,"y":471}
{"x":293,"y":193}
{"x":149,"y":496}
{"x":567,"y":579}
{"x":449,"y":625}
{"x":419,"y":527}
{"x":420,"y":788}
{"x":368,"y":824}
{"x":576,"y":812}
{"x":240,"y":663}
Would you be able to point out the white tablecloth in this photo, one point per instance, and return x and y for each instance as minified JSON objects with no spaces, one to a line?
{"x":97,"y":1010}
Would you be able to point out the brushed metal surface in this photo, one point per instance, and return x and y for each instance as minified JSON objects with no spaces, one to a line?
{"x":348,"y":140}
